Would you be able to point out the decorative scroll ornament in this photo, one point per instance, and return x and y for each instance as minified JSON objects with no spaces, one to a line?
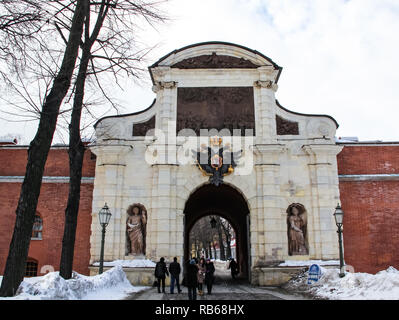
{"x":266,"y":84}
{"x":163,"y":85}
{"x":216,"y":162}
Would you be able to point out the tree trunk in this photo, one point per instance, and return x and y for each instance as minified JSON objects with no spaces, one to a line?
{"x":37,"y":156}
{"x":76,"y":148}
{"x":198,"y":250}
{"x":221,"y":246}
{"x":228,"y":249}
{"x":228,"y":242}
{"x":76,"y":153}
{"x":214,"y":249}
{"x":227,"y":235}
{"x":210,"y":250}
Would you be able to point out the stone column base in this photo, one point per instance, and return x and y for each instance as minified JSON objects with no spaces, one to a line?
{"x":273,"y":276}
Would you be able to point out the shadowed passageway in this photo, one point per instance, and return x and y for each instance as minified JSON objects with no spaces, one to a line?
{"x":225,"y":288}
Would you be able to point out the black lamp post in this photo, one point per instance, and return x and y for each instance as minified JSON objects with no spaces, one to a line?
{"x":339,"y":219}
{"x":104,"y":216}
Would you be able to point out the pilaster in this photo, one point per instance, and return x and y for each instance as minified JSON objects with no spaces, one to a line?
{"x":324,"y":197}
{"x":264,"y":95}
{"x":110,"y":166}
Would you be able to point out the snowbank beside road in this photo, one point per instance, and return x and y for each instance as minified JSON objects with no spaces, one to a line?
{"x":110,"y":285}
{"x":354,"y":286}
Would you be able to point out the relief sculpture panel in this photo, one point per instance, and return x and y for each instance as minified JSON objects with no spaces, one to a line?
{"x":216,"y":108}
{"x":140,"y":129}
{"x":286,"y":127}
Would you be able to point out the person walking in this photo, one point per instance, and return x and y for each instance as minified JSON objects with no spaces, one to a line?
{"x":192,"y":279}
{"x":174,"y":270}
{"x":161,"y":271}
{"x":201,"y":276}
{"x":233,"y":266}
{"x":209,"y":275}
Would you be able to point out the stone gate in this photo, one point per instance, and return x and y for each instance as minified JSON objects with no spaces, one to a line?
{"x":222,"y":91}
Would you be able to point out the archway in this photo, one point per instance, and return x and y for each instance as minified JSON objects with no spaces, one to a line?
{"x":224,"y":201}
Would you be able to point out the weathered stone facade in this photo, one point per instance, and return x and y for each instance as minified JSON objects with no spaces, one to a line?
{"x":277,"y":169}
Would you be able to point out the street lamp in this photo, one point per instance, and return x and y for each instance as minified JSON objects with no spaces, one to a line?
{"x":339,"y":220}
{"x":104,"y":216}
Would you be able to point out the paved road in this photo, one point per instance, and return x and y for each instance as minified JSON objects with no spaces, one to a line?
{"x":224,"y":289}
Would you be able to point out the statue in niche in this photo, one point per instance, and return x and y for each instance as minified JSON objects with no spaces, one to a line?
{"x":136,"y":229}
{"x":296,"y":223}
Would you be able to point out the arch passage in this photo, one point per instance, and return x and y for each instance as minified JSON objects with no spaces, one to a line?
{"x":226,"y":202}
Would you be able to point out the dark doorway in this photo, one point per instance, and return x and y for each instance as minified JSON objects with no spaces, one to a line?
{"x":224,"y":201}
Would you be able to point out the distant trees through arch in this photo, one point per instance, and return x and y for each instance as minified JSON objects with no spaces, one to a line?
{"x":212,"y":237}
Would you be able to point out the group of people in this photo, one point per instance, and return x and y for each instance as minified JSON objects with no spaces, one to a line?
{"x":197,"y":273}
{"x":161,"y":271}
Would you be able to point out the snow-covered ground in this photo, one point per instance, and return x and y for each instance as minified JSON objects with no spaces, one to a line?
{"x":110,"y":285}
{"x":354,"y":286}
{"x":137,"y":263}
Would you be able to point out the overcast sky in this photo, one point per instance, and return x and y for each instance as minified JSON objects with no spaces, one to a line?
{"x":339,"y":57}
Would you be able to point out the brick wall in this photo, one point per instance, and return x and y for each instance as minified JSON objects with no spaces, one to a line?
{"x":371,"y":221}
{"x":368,"y":159}
{"x":13,"y":162}
{"x":51,"y":207}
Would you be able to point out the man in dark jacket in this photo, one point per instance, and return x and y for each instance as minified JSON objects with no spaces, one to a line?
{"x":174,"y":269}
{"x":161,"y":271}
{"x":192,"y":279}
{"x":209,"y":277}
{"x":233,"y":266}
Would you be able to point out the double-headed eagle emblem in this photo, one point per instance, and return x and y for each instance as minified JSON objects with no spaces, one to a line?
{"x":216,"y":161}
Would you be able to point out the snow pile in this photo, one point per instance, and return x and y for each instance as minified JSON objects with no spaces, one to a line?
{"x":111,"y":285}
{"x":220,"y":261}
{"x":304,"y":263}
{"x":220,"y":264}
{"x":137,"y":263}
{"x":354,"y":286}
